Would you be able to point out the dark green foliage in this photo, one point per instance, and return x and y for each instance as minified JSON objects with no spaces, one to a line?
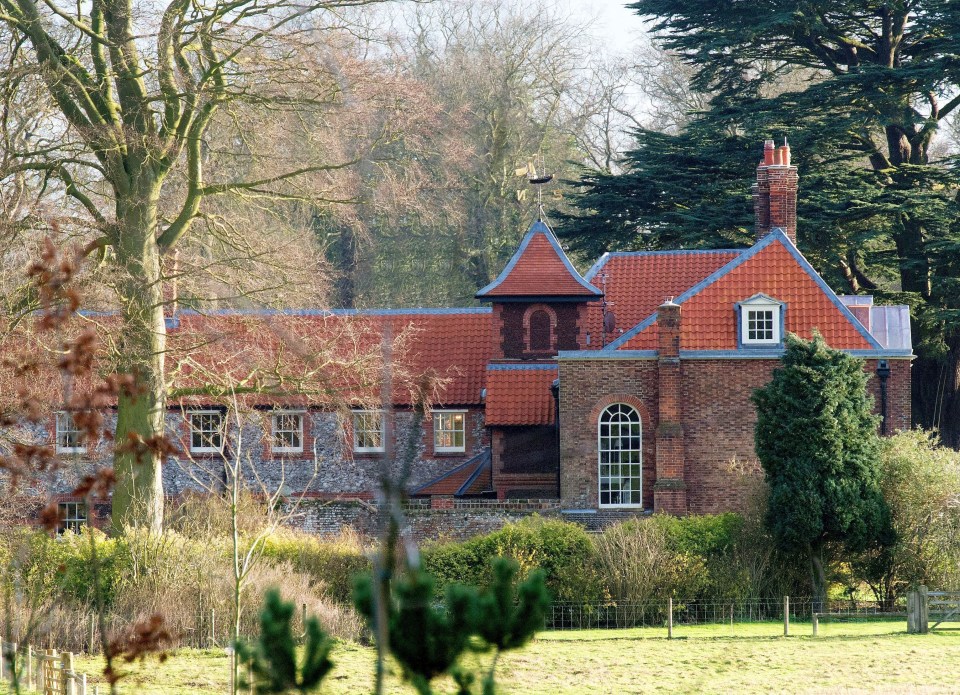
{"x":273,"y":657}
{"x":561,"y":549}
{"x":508,"y":615}
{"x":860,"y":89}
{"x":816,"y":440}
{"x":428,"y":637}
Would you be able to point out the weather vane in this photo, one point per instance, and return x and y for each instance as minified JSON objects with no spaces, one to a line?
{"x":536,"y":178}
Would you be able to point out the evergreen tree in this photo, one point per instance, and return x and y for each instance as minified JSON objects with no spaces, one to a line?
{"x":861,"y":90}
{"x":428,"y":637}
{"x":817,"y":441}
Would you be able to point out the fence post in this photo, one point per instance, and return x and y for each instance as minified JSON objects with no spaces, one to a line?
{"x":66,"y":667}
{"x":786,"y":616}
{"x":816,"y":624}
{"x":233,"y":670}
{"x":83,"y":684}
{"x":29,"y":667}
{"x":670,"y":618}
{"x":917,"y":611}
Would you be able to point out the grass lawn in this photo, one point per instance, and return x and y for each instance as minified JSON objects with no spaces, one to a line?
{"x":862,"y":657}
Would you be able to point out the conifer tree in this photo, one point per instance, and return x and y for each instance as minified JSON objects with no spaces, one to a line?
{"x":862,"y":90}
{"x":816,"y":438}
{"x":428,"y":637}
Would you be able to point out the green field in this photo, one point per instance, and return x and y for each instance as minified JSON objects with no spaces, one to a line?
{"x":861,"y":657}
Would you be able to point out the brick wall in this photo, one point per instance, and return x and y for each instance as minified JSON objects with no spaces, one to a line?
{"x":511,"y":329}
{"x":899,"y":406}
{"x":464,"y":519}
{"x":717,"y":418}
{"x":586,"y":388}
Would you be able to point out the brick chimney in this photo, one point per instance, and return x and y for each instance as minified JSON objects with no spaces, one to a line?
{"x":775,"y":192}
{"x":670,"y":489}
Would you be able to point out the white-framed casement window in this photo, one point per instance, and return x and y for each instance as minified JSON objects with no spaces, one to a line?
{"x":206,"y":431}
{"x":449,"y":431}
{"x":287,"y":432}
{"x":71,"y":515}
{"x":620,"y":453}
{"x":69,"y":437}
{"x":368,"y":431}
{"x":761,"y":321}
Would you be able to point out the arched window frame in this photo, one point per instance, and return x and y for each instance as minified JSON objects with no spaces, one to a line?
{"x":625,"y":474}
{"x":531,"y":310}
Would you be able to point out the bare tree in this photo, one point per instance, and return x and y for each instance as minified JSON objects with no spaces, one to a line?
{"x":135,"y":90}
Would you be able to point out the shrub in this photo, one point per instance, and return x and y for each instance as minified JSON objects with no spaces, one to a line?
{"x":561,"y":549}
{"x":920,"y":481}
{"x":704,"y":557}
{"x":331,"y":562}
{"x":638,"y":561}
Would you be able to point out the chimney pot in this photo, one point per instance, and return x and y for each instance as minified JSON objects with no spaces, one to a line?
{"x":768,"y":150}
{"x":784,"y":152}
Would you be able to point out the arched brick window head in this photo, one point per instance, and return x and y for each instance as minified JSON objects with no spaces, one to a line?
{"x":540,"y":331}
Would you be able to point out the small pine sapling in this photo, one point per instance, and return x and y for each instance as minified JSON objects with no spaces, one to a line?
{"x":273,"y":657}
{"x":508,"y":615}
{"x":427,"y":637}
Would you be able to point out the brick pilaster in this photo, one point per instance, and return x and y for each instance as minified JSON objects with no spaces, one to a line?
{"x":670,"y":489}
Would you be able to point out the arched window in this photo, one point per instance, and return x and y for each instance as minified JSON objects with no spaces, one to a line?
{"x":620,"y":456}
{"x":540,"y":338}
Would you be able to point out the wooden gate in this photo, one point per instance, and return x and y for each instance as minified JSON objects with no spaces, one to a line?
{"x":944,"y":606}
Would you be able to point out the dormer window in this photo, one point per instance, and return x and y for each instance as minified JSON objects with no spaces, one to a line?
{"x":761,"y":321}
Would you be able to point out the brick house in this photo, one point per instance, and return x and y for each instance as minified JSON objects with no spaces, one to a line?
{"x":622,"y":390}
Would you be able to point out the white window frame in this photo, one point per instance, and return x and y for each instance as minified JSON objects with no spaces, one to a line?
{"x":357,"y":416}
{"x":605,"y":446}
{"x":755,"y":304}
{"x":438,"y":429}
{"x":80,"y":516}
{"x":63,"y":426}
{"x":300,"y":415}
{"x":206,"y":449}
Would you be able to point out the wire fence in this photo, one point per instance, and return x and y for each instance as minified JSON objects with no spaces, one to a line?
{"x":571,"y":615}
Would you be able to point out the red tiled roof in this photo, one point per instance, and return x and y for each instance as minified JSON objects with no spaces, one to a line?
{"x":709,"y":319}
{"x":295,"y":357}
{"x":472,"y":477}
{"x":539,"y":268}
{"x":520,"y":394}
{"x":326,"y":351}
{"x":483,"y":482}
{"x":637,"y":283}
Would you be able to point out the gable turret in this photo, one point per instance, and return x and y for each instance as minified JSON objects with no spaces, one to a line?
{"x":538,"y":300}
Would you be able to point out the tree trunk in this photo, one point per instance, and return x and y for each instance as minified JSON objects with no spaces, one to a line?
{"x":936,"y":392}
{"x":818,"y":576}
{"x":138,"y":497}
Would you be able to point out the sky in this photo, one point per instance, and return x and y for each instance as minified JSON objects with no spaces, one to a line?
{"x":614,"y":21}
